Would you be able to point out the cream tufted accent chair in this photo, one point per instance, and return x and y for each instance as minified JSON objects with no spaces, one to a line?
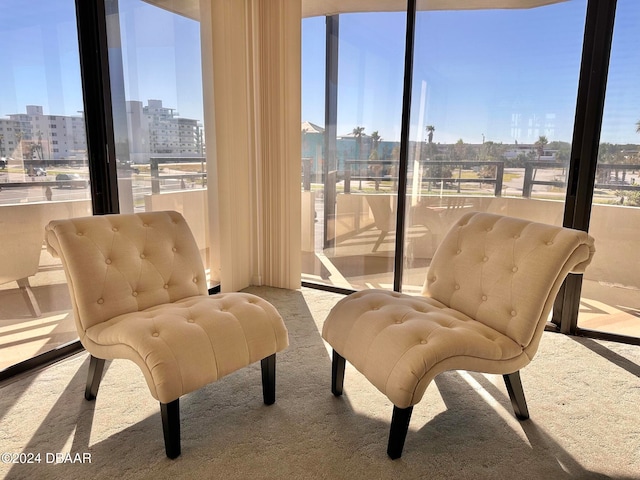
{"x":139,"y":292}
{"x":488,"y":293}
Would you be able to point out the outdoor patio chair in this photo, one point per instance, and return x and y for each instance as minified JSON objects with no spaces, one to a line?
{"x":139,"y":292}
{"x":487,"y":296}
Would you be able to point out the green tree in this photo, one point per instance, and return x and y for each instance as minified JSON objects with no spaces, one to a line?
{"x":490,"y":152}
{"x":540,"y":144}
{"x":609,"y":154}
{"x":460,"y":151}
{"x":375,"y":141}
{"x":358,"y":132}
{"x":430,"y":129}
{"x":563,"y":150}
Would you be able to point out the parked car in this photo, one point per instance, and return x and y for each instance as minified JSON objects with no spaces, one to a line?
{"x":127,"y":166}
{"x":37,"y":172}
{"x":71,"y":180}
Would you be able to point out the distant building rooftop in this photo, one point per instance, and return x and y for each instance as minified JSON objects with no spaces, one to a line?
{"x":309,"y":127}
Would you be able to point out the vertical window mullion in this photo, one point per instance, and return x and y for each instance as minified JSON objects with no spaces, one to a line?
{"x":94,"y":68}
{"x":404,"y":146}
{"x":586,"y":139}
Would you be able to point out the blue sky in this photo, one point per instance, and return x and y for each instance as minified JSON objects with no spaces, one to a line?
{"x":39,"y":57}
{"x":502,"y":75}
{"x":162,"y":57}
{"x":161,"y":54}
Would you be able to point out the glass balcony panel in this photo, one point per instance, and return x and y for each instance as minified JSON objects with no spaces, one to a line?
{"x":43,"y":172}
{"x":611,"y":286}
{"x":493,"y":105}
{"x":351,"y":244}
{"x":156,"y":80}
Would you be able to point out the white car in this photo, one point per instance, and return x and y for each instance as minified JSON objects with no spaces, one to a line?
{"x":71,"y":180}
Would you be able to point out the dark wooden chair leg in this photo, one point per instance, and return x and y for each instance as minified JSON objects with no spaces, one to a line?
{"x":96,"y":367}
{"x":337,"y":373}
{"x":269,"y":379}
{"x":398,"y":433}
{"x":516,"y":394}
{"x":170,"y":413}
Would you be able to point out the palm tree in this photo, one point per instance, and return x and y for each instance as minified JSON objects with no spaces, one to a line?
{"x":430,"y":129}
{"x":540,"y":144}
{"x":357,"y":134}
{"x":375,"y":141}
{"x":375,"y":138}
{"x":1,"y":145}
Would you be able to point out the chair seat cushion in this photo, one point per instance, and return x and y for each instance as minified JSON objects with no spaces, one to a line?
{"x":401,"y":342}
{"x":185,"y":345}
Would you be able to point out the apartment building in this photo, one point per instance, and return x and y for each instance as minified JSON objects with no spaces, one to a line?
{"x":152,"y":129}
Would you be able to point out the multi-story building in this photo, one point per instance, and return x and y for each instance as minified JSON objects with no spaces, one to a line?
{"x":169,"y":135}
{"x":152,"y":130}
{"x":37,"y":136}
{"x":8,"y":139}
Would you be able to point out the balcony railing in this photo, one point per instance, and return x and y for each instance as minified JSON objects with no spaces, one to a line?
{"x":157,"y":177}
{"x":433,"y":173}
{"x":379,"y":171}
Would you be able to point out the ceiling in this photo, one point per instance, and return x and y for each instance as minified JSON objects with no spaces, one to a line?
{"x":313,"y":8}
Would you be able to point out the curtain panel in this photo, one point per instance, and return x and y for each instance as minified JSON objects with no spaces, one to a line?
{"x":251,"y":69}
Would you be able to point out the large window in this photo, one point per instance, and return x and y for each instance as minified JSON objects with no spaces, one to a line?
{"x":156,"y":81}
{"x":157,"y":111}
{"x":493,"y":114}
{"x":351,"y":168}
{"x":493,"y":103}
{"x":611,"y":288}
{"x":43,"y":171}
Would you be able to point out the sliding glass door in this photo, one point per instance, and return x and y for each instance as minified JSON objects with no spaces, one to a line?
{"x":493,"y":100}
{"x":493,"y":105}
{"x":43,"y":171}
{"x":350,"y":177}
{"x":504,"y":117}
{"x":154,"y":104}
{"x":611,"y":287}
{"x":156,"y":90}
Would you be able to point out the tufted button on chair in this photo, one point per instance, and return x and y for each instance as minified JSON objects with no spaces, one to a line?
{"x":488,"y":293}
{"x":139,"y":292}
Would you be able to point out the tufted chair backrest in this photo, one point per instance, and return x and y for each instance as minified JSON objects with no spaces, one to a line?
{"x":118,"y":264}
{"x":506,"y":272}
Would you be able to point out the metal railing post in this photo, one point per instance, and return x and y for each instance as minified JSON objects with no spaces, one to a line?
{"x":499,"y":178}
{"x":528,"y":181}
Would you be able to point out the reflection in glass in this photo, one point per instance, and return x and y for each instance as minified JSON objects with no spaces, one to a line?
{"x":156,"y":80}
{"x":43,"y":171}
{"x":357,"y":248}
{"x":493,"y":104}
{"x":611,"y":287}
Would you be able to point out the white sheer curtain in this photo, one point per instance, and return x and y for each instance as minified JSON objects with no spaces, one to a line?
{"x":251,"y":68}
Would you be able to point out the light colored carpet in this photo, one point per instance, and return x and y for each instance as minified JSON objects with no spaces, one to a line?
{"x":583,"y":398}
